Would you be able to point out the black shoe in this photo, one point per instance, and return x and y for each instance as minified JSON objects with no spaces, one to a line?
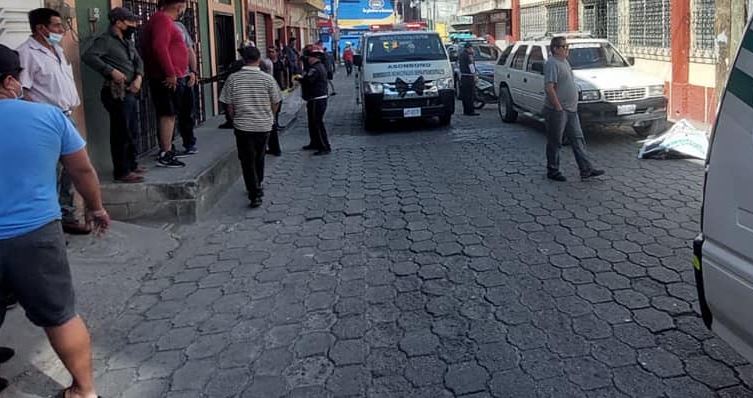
{"x":226,"y":125}
{"x":592,"y":173}
{"x":255,"y":203}
{"x":168,"y":160}
{"x":3,"y":384}
{"x":556,"y":177}
{"x":333,"y":94}
{"x":310,"y":147}
{"x":6,"y":354}
{"x":472,"y":114}
{"x":274,"y":153}
{"x":322,"y":152}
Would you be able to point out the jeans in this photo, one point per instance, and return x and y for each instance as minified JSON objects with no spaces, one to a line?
{"x":252,"y":149}
{"x":568,"y":123}
{"x":315,"y":110}
{"x":123,"y":122}
{"x":467,"y":89}
{"x":185,"y":120}
{"x":349,"y":67}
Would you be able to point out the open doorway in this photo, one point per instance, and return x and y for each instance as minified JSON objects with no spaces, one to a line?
{"x":224,"y":35}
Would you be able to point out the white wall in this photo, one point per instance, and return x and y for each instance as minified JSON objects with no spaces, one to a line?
{"x":14,"y":22}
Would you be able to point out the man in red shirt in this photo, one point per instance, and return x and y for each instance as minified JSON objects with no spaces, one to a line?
{"x":166,"y":65}
{"x":348,"y":58}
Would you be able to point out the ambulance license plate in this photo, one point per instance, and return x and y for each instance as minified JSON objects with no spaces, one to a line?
{"x":412,"y":112}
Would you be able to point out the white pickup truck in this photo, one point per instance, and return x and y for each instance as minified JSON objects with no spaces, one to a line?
{"x":612,"y":91}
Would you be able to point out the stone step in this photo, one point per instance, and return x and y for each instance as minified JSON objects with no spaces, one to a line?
{"x":183,"y":195}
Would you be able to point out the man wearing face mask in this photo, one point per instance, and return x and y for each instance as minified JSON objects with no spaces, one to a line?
{"x":47,"y":78}
{"x":113,"y":54}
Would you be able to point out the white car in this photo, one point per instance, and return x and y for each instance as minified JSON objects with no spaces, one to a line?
{"x":612,"y":91}
{"x":404,"y":74}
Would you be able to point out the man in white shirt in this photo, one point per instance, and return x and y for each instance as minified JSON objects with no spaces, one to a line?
{"x":47,"y":78}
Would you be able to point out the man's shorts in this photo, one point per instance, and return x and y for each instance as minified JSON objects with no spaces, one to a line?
{"x":166,"y":101}
{"x":35,"y":267}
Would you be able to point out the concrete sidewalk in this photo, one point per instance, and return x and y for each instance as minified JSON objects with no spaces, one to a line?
{"x":183,"y":195}
{"x":106,"y":271}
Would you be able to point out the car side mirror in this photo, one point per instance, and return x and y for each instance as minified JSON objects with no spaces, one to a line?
{"x":538,"y":67}
{"x":358,"y":60}
{"x":631,"y":60}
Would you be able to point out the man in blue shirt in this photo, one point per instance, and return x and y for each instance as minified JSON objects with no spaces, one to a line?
{"x":33,"y":261}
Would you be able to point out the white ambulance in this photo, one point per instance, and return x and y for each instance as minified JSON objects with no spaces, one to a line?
{"x":404,"y":74}
{"x":724,"y":251}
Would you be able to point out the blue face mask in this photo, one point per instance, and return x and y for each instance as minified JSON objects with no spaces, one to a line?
{"x":55,"y":38}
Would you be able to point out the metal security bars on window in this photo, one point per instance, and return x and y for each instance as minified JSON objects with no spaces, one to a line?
{"x":649,"y":26}
{"x":556,"y":20}
{"x":600,"y":18}
{"x":146,"y":129}
{"x":533,"y":21}
{"x":703,"y":19}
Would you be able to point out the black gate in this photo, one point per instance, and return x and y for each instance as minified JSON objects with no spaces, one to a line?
{"x":147,"y":127}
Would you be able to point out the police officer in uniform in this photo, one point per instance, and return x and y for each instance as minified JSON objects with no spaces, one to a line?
{"x":314,"y":89}
{"x":467,"y":79}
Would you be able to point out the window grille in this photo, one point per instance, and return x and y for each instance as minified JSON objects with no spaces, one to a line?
{"x":649,"y":26}
{"x":146,"y":128}
{"x":532,"y":21}
{"x":703,"y":19}
{"x":556,"y":20}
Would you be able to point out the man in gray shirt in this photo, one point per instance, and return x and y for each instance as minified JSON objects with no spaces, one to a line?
{"x":561,"y":113}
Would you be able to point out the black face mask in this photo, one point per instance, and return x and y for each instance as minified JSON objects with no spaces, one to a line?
{"x":129,"y":32}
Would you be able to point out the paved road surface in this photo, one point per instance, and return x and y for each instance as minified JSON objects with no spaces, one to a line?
{"x":423,"y":261}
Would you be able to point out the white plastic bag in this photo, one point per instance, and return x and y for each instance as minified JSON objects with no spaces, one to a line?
{"x":680,"y":142}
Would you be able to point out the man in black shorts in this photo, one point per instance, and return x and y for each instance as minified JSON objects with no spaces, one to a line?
{"x":33,"y":258}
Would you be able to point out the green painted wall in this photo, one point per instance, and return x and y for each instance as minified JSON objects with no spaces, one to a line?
{"x":206,"y":61}
{"x":97,"y":119}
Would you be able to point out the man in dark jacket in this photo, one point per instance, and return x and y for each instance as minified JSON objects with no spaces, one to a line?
{"x":314,"y":92}
{"x":113,"y":54}
{"x":467,"y":79}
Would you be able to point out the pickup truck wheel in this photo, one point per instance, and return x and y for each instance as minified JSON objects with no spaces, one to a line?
{"x":505,"y":107}
{"x":651,"y":128}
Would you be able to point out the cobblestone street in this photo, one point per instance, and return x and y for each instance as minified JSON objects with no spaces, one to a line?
{"x":422,"y":261}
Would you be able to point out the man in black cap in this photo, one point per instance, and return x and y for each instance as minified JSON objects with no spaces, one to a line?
{"x":236,"y":66}
{"x":467,"y":79}
{"x":314,"y":91}
{"x":33,"y":260}
{"x":113,"y":54}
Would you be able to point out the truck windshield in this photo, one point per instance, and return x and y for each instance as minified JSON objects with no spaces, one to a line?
{"x":399,"y":48}
{"x":595,"y":55}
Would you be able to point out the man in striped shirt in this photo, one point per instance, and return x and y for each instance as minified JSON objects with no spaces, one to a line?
{"x":252,"y":98}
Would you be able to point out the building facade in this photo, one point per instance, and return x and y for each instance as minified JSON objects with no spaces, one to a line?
{"x":489,"y":17}
{"x":674,"y":39}
{"x":218,"y":28}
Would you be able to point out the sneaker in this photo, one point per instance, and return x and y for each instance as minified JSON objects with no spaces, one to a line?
{"x":169,"y":160}
{"x":322,"y":152}
{"x":592,"y":173}
{"x":6,"y":354}
{"x":556,"y":177}
{"x":192,"y":150}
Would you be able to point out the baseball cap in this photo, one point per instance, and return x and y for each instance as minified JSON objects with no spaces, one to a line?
{"x":122,"y":14}
{"x":9,"y":61}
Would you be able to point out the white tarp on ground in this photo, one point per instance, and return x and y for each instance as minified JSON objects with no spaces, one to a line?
{"x":680,"y":142}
